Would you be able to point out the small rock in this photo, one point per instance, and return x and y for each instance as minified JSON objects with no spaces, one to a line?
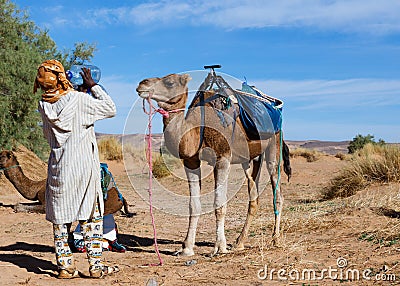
{"x":152,"y":282}
{"x":190,"y":262}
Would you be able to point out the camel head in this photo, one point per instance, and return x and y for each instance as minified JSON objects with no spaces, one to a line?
{"x":7,"y":159}
{"x":166,"y":90}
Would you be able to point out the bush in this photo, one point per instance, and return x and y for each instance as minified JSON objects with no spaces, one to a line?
{"x":341,"y":156}
{"x":310,"y":155}
{"x":110,"y":149}
{"x":160,"y":168}
{"x":373,"y":163}
{"x":164,"y":163}
{"x":360,"y":141}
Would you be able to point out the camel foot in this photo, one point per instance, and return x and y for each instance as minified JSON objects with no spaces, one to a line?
{"x":277,"y":241}
{"x":219,"y":250}
{"x":184,"y":252}
{"x":238,"y":246}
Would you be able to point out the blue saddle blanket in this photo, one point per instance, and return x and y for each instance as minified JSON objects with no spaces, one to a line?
{"x":261,"y":117}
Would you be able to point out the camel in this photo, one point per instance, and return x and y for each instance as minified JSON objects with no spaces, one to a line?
{"x":35,"y":190}
{"x":190,"y":136}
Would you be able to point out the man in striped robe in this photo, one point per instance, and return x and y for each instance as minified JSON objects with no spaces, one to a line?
{"x":73,"y":191}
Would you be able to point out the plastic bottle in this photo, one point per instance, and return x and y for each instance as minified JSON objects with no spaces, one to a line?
{"x":76,"y":79}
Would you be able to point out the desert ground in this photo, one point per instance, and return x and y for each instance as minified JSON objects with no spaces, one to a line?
{"x":345,"y":238}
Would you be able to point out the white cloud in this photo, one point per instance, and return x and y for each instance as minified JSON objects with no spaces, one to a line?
{"x":380,"y":17}
{"x":351,"y":15}
{"x":328,"y":94}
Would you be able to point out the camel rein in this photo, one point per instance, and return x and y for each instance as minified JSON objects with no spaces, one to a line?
{"x":151,"y":111}
{"x":8,"y":168}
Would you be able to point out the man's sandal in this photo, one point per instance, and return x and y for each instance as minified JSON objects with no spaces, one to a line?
{"x":104,"y":271}
{"x":68,"y":274}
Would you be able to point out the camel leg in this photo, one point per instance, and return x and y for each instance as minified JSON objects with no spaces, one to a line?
{"x":221,"y":172}
{"x":272,"y":159}
{"x":279,"y":205}
{"x":193,"y":174}
{"x":252,"y":187}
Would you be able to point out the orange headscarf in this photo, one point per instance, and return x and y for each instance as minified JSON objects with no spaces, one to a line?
{"x":51,"y":78}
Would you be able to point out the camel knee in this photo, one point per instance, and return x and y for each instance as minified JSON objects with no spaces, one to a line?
{"x":279,"y":196}
{"x":220,"y":211}
{"x":271,"y":167}
{"x":253,"y":207}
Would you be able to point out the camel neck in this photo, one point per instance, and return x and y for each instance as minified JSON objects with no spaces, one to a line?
{"x":21,"y":182}
{"x":11,"y":167}
{"x":175,"y":110}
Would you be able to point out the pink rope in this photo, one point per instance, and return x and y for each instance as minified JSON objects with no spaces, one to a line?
{"x":152,"y":110}
{"x":149,"y":156}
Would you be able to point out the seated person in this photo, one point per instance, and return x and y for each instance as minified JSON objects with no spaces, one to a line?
{"x":110,"y":232}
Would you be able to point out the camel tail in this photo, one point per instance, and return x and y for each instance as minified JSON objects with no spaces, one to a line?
{"x":286,"y":160}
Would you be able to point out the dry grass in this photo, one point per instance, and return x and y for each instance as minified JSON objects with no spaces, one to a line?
{"x":163,"y":164}
{"x":310,"y":155}
{"x":160,"y":169}
{"x":373,"y":163}
{"x":342,"y":156}
{"x":110,"y":149}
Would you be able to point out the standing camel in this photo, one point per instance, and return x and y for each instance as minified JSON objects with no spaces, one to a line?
{"x":35,"y":190}
{"x":201,"y":129}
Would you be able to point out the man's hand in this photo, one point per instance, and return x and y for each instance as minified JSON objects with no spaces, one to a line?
{"x":88,"y":81}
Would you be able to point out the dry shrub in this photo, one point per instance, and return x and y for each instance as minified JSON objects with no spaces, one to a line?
{"x":341,"y":156}
{"x":373,"y":163}
{"x":163,"y":164}
{"x":110,"y":149}
{"x":160,"y":169}
{"x":310,"y":154}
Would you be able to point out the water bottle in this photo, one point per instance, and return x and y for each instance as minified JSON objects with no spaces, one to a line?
{"x":76,"y":79}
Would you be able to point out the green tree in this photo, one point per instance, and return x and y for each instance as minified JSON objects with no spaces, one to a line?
{"x":23,"y":46}
{"x":360,"y":141}
{"x":82,"y":52}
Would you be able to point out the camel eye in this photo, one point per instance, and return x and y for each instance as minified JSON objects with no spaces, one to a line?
{"x":168,"y":83}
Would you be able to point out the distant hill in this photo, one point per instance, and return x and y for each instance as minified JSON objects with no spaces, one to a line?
{"x":328,"y":147}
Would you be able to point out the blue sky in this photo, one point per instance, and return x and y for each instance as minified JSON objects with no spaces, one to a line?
{"x":335,"y":64}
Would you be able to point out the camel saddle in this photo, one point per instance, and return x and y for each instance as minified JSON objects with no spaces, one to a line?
{"x":260,"y":114}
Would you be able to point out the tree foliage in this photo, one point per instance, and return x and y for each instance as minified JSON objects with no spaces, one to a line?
{"x":23,"y":46}
{"x":360,"y":141}
{"x":82,"y":52}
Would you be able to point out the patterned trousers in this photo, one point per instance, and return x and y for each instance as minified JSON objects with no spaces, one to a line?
{"x":92,"y":231}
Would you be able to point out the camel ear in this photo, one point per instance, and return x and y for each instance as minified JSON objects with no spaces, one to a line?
{"x":185,"y":79}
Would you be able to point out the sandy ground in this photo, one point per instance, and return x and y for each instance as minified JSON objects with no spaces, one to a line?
{"x":343,"y":238}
